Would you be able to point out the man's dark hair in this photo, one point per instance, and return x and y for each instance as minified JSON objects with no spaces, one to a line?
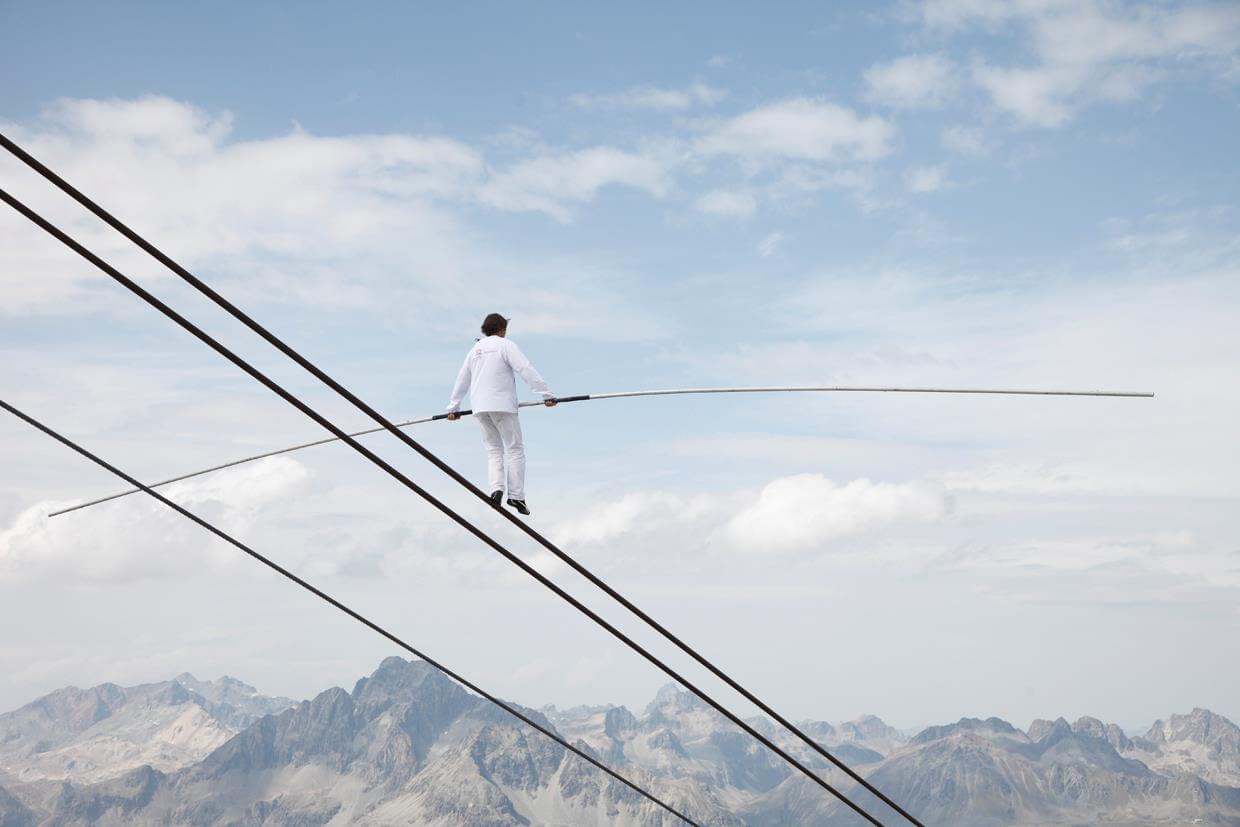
{"x":493,"y":324}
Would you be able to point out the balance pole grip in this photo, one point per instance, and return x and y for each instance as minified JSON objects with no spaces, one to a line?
{"x":445,"y":416}
{"x":579,"y":398}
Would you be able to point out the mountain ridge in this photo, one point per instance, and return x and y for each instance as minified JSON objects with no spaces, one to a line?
{"x":407,"y":745}
{"x":102,"y":732}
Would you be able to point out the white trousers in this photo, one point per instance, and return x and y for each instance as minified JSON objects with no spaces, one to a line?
{"x":501,"y":433}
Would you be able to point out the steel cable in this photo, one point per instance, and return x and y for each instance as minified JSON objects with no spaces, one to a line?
{"x":254,"y":373}
{"x":284,"y":348}
{"x":322,"y":595}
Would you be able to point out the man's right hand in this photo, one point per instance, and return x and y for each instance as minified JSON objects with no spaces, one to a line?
{"x":454,"y":416}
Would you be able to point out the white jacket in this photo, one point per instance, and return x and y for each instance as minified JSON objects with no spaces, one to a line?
{"x":488,"y":376}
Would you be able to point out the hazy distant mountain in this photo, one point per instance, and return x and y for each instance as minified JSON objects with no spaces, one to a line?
{"x":988,"y":772}
{"x":871,"y":732}
{"x":405,"y":746}
{"x":99,"y":733}
{"x":408,"y":746}
{"x":1200,"y":743}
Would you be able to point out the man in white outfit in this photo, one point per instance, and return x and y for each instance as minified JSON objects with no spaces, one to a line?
{"x":488,"y":375}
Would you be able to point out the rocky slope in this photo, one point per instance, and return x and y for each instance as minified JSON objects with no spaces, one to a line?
{"x":13,"y":813}
{"x":99,"y":733}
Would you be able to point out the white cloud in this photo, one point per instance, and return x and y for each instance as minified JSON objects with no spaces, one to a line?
{"x":171,"y":124}
{"x":653,"y":97}
{"x":965,"y":141}
{"x":799,"y":181}
{"x":1093,"y":50}
{"x":807,"y":511}
{"x":770,"y":243}
{"x":802,"y":129}
{"x":273,"y":218}
{"x":1162,"y":566}
{"x":912,"y":82}
{"x":1037,"y":96}
{"x":727,"y":203}
{"x":168,"y":169}
{"x":801,"y":512}
{"x":1075,"y":479}
{"x":137,"y":538}
{"x":926,"y":179}
{"x":958,"y":13}
{"x":550,"y":184}
{"x":639,"y":512}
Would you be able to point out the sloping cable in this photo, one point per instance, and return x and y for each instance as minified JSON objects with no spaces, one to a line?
{"x":284,"y":348}
{"x":585,"y":397}
{"x":360,"y":618}
{"x":254,"y":373}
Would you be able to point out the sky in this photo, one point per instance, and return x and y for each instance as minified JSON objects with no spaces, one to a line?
{"x":957,"y":193}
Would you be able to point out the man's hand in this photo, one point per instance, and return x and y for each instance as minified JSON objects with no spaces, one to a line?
{"x":454,"y":416}
{"x":550,"y":403}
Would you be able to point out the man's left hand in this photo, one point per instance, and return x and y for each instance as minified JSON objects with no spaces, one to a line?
{"x":550,"y":403}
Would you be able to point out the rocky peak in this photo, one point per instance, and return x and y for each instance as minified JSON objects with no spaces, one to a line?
{"x":990,"y":726}
{"x":233,"y":703}
{"x":395,"y":677}
{"x":1042,"y":730}
{"x":669,"y":696}
{"x":1199,"y":726}
{"x":1086,"y":746}
{"x":78,"y":709}
{"x":667,"y":692}
{"x":1086,"y":725}
{"x":669,"y":703}
{"x":419,"y":695}
{"x":867,"y":728}
{"x":224,"y":690}
{"x":1110,"y":733}
{"x":820,"y":731}
{"x":618,"y":722}
{"x":1200,"y":743}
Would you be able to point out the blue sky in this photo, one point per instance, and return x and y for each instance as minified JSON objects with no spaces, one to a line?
{"x":957,"y":193}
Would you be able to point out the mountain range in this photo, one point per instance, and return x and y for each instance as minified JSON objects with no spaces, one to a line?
{"x":409,"y":746}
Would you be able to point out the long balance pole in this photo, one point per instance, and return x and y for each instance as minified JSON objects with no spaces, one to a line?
{"x":586,"y":397}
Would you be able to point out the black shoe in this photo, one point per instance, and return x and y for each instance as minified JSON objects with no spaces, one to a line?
{"x":519,"y":505}
{"x":497,"y":498}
